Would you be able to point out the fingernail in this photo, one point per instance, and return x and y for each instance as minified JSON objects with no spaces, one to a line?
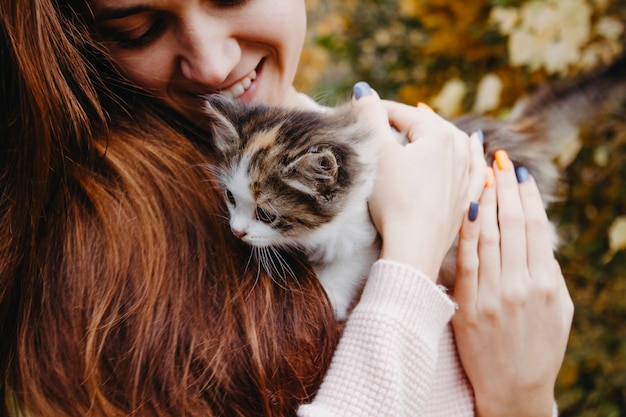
{"x":361,"y":89}
{"x":522,"y":174}
{"x":473,"y":211}
{"x":425,"y":106}
{"x":481,"y":136}
{"x":502,"y":160}
{"x":490,"y":177}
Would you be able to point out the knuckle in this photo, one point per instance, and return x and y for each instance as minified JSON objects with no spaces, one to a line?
{"x":490,"y":240}
{"x":491,"y":311}
{"x":512,"y":218}
{"x":545,"y":289}
{"x":467,"y":267}
{"x":515,"y":295}
{"x":537,"y":223}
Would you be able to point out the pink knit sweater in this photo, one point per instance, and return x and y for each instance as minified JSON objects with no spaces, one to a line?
{"x":397,"y":356}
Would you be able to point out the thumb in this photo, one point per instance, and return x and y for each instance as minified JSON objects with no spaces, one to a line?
{"x":369,"y":107}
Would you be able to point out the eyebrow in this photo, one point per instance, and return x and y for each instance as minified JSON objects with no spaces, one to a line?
{"x":112,"y":13}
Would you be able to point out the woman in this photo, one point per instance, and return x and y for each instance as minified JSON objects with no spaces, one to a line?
{"x":122,"y":291}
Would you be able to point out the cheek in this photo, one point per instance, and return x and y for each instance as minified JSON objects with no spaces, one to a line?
{"x":288,"y":28}
{"x":293,"y":31}
{"x":152,"y":69}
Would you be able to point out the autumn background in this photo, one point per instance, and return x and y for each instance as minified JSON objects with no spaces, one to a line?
{"x":482,"y":56}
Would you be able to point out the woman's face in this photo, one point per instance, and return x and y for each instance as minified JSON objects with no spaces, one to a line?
{"x":182,"y":49}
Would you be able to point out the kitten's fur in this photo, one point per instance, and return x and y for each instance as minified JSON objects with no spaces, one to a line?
{"x":299,"y":180}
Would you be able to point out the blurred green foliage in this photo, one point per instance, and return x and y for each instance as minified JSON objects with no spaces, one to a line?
{"x":441,"y":52}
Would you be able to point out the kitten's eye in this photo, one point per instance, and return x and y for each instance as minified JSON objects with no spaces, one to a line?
{"x":264,"y":216}
{"x":231,"y":198}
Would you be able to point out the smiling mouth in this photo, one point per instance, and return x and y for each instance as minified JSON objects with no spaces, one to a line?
{"x":238,"y":89}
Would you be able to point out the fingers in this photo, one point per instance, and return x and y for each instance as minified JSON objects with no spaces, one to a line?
{"x":369,"y":106}
{"x":478,"y":172}
{"x":421,"y":189}
{"x":466,"y":284}
{"x":539,"y":234}
{"x":489,"y":246}
{"x":511,"y":218}
{"x":418,"y":121}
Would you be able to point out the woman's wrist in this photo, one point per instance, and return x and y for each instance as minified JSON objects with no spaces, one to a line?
{"x":401,"y":246}
{"x":532,"y":403}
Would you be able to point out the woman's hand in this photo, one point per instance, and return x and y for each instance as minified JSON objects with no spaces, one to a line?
{"x":515,"y":311}
{"x":423,"y":188}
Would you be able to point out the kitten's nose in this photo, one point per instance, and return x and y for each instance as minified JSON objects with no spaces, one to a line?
{"x":237,"y":233}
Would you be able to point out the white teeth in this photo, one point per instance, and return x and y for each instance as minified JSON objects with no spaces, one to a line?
{"x":241,"y":87}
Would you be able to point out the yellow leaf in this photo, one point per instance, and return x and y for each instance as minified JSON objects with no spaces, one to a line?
{"x":617,"y":237}
{"x":448,"y":101}
{"x":617,"y":234}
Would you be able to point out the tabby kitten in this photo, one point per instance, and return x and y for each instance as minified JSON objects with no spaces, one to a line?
{"x":299,"y":180}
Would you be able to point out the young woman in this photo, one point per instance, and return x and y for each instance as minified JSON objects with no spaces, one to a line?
{"x":123,"y":292}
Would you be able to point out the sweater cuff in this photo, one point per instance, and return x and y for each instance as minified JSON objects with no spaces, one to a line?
{"x":402,"y":291}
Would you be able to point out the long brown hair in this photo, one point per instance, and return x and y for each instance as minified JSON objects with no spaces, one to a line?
{"x":122,"y":290}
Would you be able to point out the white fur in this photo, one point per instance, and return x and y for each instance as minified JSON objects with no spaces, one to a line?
{"x":342,"y":252}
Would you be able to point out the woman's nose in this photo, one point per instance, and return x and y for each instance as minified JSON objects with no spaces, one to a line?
{"x":209,"y":53}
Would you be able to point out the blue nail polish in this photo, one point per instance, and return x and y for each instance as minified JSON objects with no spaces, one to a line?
{"x":522,"y":174}
{"x":481,"y":136}
{"x":473,"y":211}
{"x":362,"y":89}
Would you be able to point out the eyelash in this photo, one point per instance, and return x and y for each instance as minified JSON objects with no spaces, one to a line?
{"x":154,"y":31}
{"x":159,"y":26}
{"x":229,"y":3}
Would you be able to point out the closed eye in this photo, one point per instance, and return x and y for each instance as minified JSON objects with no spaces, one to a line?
{"x":230,"y":3}
{"x":134,"y":28}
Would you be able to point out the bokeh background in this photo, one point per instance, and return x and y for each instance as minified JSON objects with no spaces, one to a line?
{"x":482,"y":56}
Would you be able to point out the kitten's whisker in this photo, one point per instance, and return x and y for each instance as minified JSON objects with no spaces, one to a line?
{"x":276,"y":266}
{"x":206,"y":166}
{"x":214,"y":185}
{"x":252,"y":255}
{"x":271,"y":269}
{"x":258,"y":269}
{"x":286,"y":267}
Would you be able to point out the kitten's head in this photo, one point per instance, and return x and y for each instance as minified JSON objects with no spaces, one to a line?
{"x":284,"y":172}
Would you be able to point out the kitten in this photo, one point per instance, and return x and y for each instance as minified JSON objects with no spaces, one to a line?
{"x":299,"y":180}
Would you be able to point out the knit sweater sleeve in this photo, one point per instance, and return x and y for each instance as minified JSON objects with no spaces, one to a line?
{"x":386,"y":360}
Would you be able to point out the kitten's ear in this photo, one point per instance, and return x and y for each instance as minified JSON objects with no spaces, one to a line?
{"x":313,"y":172}
{"x":220,"y":121}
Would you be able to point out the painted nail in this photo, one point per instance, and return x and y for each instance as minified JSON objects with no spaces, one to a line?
{"x":522,"y":174}
{"x":361,"y":89}
{"x":472,"y":213}
{"x":491,"y":177}
{"x":425,"y":106}
{"x":502,"y":160}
